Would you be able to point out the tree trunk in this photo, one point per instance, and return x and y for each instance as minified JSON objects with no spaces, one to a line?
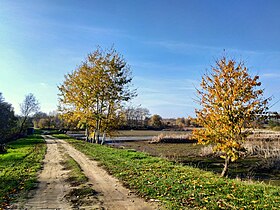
{"x":22,"y":125}
{"x":97,"y":136}
{"x":94,"y":137}
{"x":98,"y":130}
{"x":225,"y":170}
{"x":86,"y":132}
{"x":103,"y":138}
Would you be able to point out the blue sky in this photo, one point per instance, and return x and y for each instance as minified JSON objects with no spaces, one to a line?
{"x":168,"y":44}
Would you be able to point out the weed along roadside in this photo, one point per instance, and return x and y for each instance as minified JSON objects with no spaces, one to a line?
{"x":19,"y":167}
{"x":177,"y":186}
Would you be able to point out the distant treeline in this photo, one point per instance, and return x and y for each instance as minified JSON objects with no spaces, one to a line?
{"x":131,"y":118}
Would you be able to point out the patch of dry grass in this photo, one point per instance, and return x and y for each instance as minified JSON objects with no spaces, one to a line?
{"x":206,"y":151}
{"x":173,"y":138}
{"x":262,"y":149}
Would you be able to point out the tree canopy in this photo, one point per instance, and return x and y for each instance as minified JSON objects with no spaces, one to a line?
{"x":29,"y":106}
{"x":93,"y":93}
{"x":156,"y":121}
{"x":7,"y":121}
{"x":230,"y":100}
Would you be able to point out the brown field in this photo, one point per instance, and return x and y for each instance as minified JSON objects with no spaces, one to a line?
{"x":254,"y":166}
{"x":148,"y":132}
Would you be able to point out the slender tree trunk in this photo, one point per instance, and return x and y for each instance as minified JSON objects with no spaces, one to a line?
{"x":103,"y":138}
{"x":97,"y":136}
{"x":86,"y":132}
{"x":22,"y":125}
{"x":106,"y":125}
{"x":97,"y":132}
{"x":94,"y":136}
{"x":225,"y":170}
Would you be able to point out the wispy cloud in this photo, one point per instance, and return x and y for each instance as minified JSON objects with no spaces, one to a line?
{"x":38,"y":26}
{"x":160,"y":66}
{"x":190,"y":47}
{"x":174,"y":45}
{"x":102,"y":31}
{"x":42,"y":84}
{"x":271,"y":75}
{"x":166,"y":85}
{"x":166,"y":92}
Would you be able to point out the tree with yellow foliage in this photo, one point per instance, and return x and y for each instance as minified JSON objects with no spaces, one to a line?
{"x":93,"y":94}
{"x":230,"y":100}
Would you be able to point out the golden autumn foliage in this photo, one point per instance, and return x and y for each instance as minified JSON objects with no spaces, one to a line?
{"x":94,"y":92}
{"x":230,"y":100}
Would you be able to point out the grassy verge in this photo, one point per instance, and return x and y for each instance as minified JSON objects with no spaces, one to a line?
{"x":18,"y":167}
{"x":180,"y":186}
{"x":76,"y":175}
{"x":60,"y":136}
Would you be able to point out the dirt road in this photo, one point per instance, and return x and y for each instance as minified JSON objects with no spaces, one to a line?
{"x":52,"y":187}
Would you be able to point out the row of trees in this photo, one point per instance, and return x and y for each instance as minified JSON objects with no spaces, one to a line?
{"x":54,"y":120}
{"x":49,"y":121}
{"x":12,"y":126}
{"x":140,"y":118}
{"x":130,"y":118}
{"x":136,"y":117}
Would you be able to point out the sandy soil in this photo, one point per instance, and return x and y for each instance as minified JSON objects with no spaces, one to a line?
{"x":52,"y":187}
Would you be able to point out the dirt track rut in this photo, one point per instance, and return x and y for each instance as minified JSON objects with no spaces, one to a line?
{"x":52,"y":187}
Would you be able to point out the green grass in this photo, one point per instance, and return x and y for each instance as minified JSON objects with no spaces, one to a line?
{"x":76,"y":175}
{"x":37,"y":131}
{"x":60,"y":136}
{"x":246,"y":168}
{"x":19,"y":166}
{"x":177,"y":186}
